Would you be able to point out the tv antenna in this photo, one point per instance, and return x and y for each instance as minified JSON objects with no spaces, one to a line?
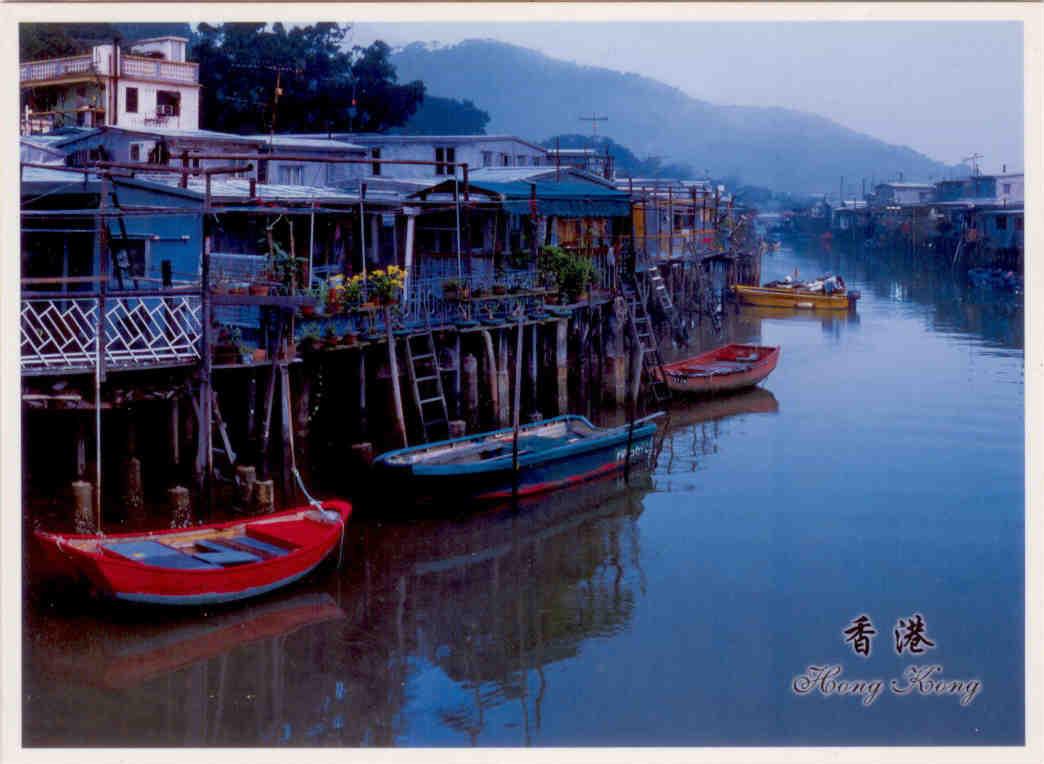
{"x":974,"y":159}
{"x":594,"y":119}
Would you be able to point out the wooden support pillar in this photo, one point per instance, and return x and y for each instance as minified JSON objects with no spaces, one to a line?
{"x":81,"y":449}
{"x":562,"y":363}
{"x":180,"y":507}
{"x":503,"y":381}
{"x":534,"y":371}
{"x":457,"y":380}
{"x":264,"y":496}
{"x":133,"y":485}
{"x":175,"y":432}
{"x":491,"y":372}
{"x":471,"y":390}
{"x":615,"y":375}
{"x":83,"y":503}
{"x":286,"y":420}
{"x":246,"y":478}
{"x":363,"y":423}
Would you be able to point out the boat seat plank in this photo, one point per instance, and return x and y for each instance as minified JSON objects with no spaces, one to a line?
{"x":256,"y":545}
{"x":220,"y":554}
{"x":156,"y":554}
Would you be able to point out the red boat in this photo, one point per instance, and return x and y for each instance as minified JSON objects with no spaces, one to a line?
{"x":731,"y":367}
{"x":204,"y":564}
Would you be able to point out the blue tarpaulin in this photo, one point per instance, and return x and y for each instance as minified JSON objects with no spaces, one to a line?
{"x":567,"y":199}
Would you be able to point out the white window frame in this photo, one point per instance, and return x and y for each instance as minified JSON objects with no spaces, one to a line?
{"x":288,"y":173}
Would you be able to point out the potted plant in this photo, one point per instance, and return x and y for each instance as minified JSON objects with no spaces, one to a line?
{"x":330,"y":338}
{"x":260,"y":355}
{"x":310,"y":335}
{"x":478,"y":292}
{"x":499,"y":289}
{"x":259,"y":288}
{"x":353,"y":292}
{"x":350,"y":337}
{"x":386,"y":285}
{"x":572,"y":272}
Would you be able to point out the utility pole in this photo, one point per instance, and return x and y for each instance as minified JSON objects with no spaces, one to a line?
{"x":974,"y":159}
{"x":594,"y":119}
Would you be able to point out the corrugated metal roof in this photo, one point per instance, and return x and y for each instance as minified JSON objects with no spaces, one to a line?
{"x":308,"y":142}
{"x":510,"y":174}
{"x":238,"y":189}
{"x":173,"y":132}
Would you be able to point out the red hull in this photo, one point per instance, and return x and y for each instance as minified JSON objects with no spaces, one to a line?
{"x":310,"y":539}
{"x":728,"y":368}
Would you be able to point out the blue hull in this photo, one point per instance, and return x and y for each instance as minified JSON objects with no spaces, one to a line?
{"x":544,"y":463}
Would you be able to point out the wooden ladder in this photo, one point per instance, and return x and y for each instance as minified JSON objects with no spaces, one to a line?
{"x":220,"y":431}
{"x":422,"y":363}
{"x":658,"y":290}
{"x":652,"y":360}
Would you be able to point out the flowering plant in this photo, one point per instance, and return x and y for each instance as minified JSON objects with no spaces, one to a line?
{"x":386,"y":284}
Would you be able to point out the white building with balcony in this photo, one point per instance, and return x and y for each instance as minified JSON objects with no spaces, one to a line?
{"x":150,"y":85}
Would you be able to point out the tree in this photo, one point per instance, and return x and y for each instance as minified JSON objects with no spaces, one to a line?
{"x":446,"y":116}
{"x":40,"y":41}
{"x":321,"y":86}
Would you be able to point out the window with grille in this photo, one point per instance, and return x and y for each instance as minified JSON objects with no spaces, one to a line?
{"x":131,"y":103}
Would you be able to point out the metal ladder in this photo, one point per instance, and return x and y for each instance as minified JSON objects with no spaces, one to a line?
{"x":652,"y":360}
{"x":422,"y":363}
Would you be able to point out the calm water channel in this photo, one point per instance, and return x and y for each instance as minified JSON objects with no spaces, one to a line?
{"x":878,"y":471}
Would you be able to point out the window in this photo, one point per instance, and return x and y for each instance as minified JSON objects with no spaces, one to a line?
{"x":1001,"y":223}
{"x":129,"y":260}
{"x":135,"y":152}
{"x":520,"y":160}
{"x":1019,"y":223}
{"x":376,"y":167}
{"x":505,"y":160}
{"x":131,"y":102}
{"x":445,"y":154}
{"x":487,"y":158}
{"x":536,"y":161}
{"x":1006,"y":188}
{"x":168,"y":103}
{"x":291,"y":174}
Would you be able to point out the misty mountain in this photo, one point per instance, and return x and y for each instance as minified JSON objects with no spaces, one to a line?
{"x":534,"y":96}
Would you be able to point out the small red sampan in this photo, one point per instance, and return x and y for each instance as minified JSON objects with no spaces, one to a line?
{"x":728,"y":368}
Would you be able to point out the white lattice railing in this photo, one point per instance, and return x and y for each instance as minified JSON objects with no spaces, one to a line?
{"x":59,"y":334}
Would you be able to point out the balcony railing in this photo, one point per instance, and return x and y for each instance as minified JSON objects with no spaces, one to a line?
{"x":158,"y":69}
{"x":130,"y":66}
{"x":59,"y":334}
{"x":56,"y":68}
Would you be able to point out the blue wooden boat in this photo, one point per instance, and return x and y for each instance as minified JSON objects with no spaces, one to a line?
{"x":552,"y":453}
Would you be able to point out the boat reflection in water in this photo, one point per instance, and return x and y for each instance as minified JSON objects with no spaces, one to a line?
{"x":484,"y":603}
{"x":693,"y":429}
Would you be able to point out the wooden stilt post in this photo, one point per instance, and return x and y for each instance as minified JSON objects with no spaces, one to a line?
{"x":287,"y":422}
{"x":393,"y":367}
{"x":534,"y":372}
{"x":562,"y":363}
{"x":491,"y":372}
{"x":471,"y":390}
{"x":515,"y":408}
{"x":363,"y":423}
{"x":503,"y":380}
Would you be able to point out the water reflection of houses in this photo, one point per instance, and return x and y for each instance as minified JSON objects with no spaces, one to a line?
{"x":494,"y":600}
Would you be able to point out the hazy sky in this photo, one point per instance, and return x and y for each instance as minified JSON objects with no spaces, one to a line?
{"x":947,"y":89}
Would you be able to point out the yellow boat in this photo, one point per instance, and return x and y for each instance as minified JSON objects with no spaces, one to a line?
{"x":794,"y":297}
